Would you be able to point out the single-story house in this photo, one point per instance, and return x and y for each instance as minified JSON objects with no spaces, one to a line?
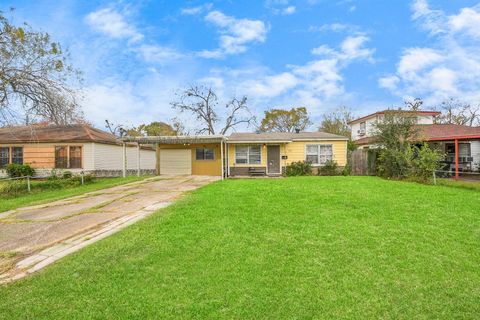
{"x":243,"y":154}
{"x":75,"y":148}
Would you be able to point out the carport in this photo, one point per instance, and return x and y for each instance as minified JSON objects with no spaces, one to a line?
{"x":183,"y":155}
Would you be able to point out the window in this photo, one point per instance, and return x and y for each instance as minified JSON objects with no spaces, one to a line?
{"x":17,"y":155}
{"x":248,"y":154}
{"x":75,"y":157}
{"x":204,"y":154}
{"x":363,"y":127}
{"x":4,"y":156}
{"x":68,"y":157}
{"x":318,"y":153}
{"x":61,"y":158}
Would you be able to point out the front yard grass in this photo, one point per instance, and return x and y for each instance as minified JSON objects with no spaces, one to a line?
{"x":310,"y":247}
{"x":38,"y":197}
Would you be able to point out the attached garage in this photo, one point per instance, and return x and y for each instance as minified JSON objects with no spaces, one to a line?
{"x":176,"y":161}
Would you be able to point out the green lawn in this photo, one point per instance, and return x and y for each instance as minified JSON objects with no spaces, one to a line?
{"x":37,"y":197}
{"x":313,"y":247}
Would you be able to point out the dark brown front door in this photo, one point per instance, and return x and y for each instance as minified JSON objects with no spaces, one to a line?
{"x":273,"y":159}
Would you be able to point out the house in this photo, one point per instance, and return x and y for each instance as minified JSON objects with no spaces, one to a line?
{"x":243,"y":154}
{"x":75,"y":148}
{"x":460,"y":144}
{"x":363,"y":128}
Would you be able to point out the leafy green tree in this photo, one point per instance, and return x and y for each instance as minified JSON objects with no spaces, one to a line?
{"x":156,"y":128}
{"x":337,"y":122}
{"x":35,"y":77}
{"x":279,"y":120}
{"x":394,"y":135}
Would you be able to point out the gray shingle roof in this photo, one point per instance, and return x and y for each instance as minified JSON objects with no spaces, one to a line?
{"x":282,"y":136}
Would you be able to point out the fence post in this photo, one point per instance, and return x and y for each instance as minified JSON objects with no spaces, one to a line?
{"x":28,"y":183}
{"x":81,"y":175}
{"x":434,"y":178}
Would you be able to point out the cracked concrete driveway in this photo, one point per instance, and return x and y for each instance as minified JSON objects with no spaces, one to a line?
{"x":33,"y":237}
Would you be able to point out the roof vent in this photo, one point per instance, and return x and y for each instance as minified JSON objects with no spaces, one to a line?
{"x":297,"y":130}
{"x":257,"y":131}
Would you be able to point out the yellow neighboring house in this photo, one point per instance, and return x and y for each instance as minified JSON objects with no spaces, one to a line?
{"x":244,"y":154}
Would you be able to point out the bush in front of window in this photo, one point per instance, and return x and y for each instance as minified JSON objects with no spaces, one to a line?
{"x":19,"y":170}
{"x":330,"y":168}
{"x":298,"y":168}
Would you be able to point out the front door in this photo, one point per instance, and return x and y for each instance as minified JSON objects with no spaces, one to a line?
{"x":273,"y":159}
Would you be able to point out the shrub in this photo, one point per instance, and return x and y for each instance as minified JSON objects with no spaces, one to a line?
{"x":19,"y":170}
{"x":330,"y":168}
{"x":347,"y":170}
{"x":425,"y":161}
{"x":299,"y":168}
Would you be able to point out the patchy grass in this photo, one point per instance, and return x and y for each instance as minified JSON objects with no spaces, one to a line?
{"x":307,"y":247}
{"x":38,"y":197}
{"x":472,"y":185}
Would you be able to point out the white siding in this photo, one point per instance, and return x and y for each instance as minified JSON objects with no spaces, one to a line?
{"x":475,"y":149}
{"x":88,"y":156}
{"x":110,"y":157}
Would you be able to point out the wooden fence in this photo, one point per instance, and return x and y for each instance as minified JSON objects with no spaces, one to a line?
{"x":363,"y":162}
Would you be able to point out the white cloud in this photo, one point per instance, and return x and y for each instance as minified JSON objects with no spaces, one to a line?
{"x":196,"y":10}
{"x":414,"y":60}
{"x":450,"y":67}
{"x":113,"y":24}
{"x":271,"y":86}
{"x":235,"y":34}
{"x":468,"y":21}
{"x":335,"y":27}
{"x":158,"y":54}
{"x":289,"y":10}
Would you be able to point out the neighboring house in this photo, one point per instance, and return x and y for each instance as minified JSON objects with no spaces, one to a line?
{"x":243,"y":154}
{"x":450,"y":139}
{"x":363,"y":128}
{"x":75,"y":148}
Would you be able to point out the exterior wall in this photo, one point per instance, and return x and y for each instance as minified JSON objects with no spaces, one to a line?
{"x":231,"y":156}
{"x":201,"y":167}
{"x":295,"y":151}
{"x":369,"y":125}
{"x":110,"y":157}
{"x":370,"y":122}
{"x":99,"y":158}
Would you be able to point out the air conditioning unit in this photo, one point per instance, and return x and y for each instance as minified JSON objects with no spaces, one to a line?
{"x":361,"y":132}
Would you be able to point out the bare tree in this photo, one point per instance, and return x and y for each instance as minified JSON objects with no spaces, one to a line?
{"x":413,"y":105}
{"x":117,"y":130}
{"x":35,"y":76}
{"x":202,"y":102}
{"x":458,"y":112}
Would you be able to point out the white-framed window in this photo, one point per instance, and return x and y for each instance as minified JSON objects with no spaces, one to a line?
{"x":318,"y":153}
{"x":204,"y":154}
{"x":251,"y":154}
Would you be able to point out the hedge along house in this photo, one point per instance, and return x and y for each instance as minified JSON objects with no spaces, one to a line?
{"x":243,"y":154}
{"x":76,"y":148}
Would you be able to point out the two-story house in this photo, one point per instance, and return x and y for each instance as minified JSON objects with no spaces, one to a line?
{"x":459,"y":143}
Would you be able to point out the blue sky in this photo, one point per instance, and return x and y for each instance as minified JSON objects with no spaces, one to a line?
{"x":367,"y":55}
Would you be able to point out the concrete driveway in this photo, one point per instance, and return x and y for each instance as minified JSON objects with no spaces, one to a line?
{"x":33,"y":237}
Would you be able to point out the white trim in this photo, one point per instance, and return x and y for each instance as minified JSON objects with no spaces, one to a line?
{"x":318,"y":155}
{"x":248,"y":154}
{"x":259,"y":142}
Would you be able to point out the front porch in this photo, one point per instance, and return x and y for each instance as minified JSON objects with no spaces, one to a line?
{"x":461,"y":157}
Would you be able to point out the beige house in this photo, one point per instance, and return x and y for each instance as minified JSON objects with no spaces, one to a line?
{"x":75,"y":148}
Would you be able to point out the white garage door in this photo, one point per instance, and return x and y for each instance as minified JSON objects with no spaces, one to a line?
{"x":175,"y":161}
